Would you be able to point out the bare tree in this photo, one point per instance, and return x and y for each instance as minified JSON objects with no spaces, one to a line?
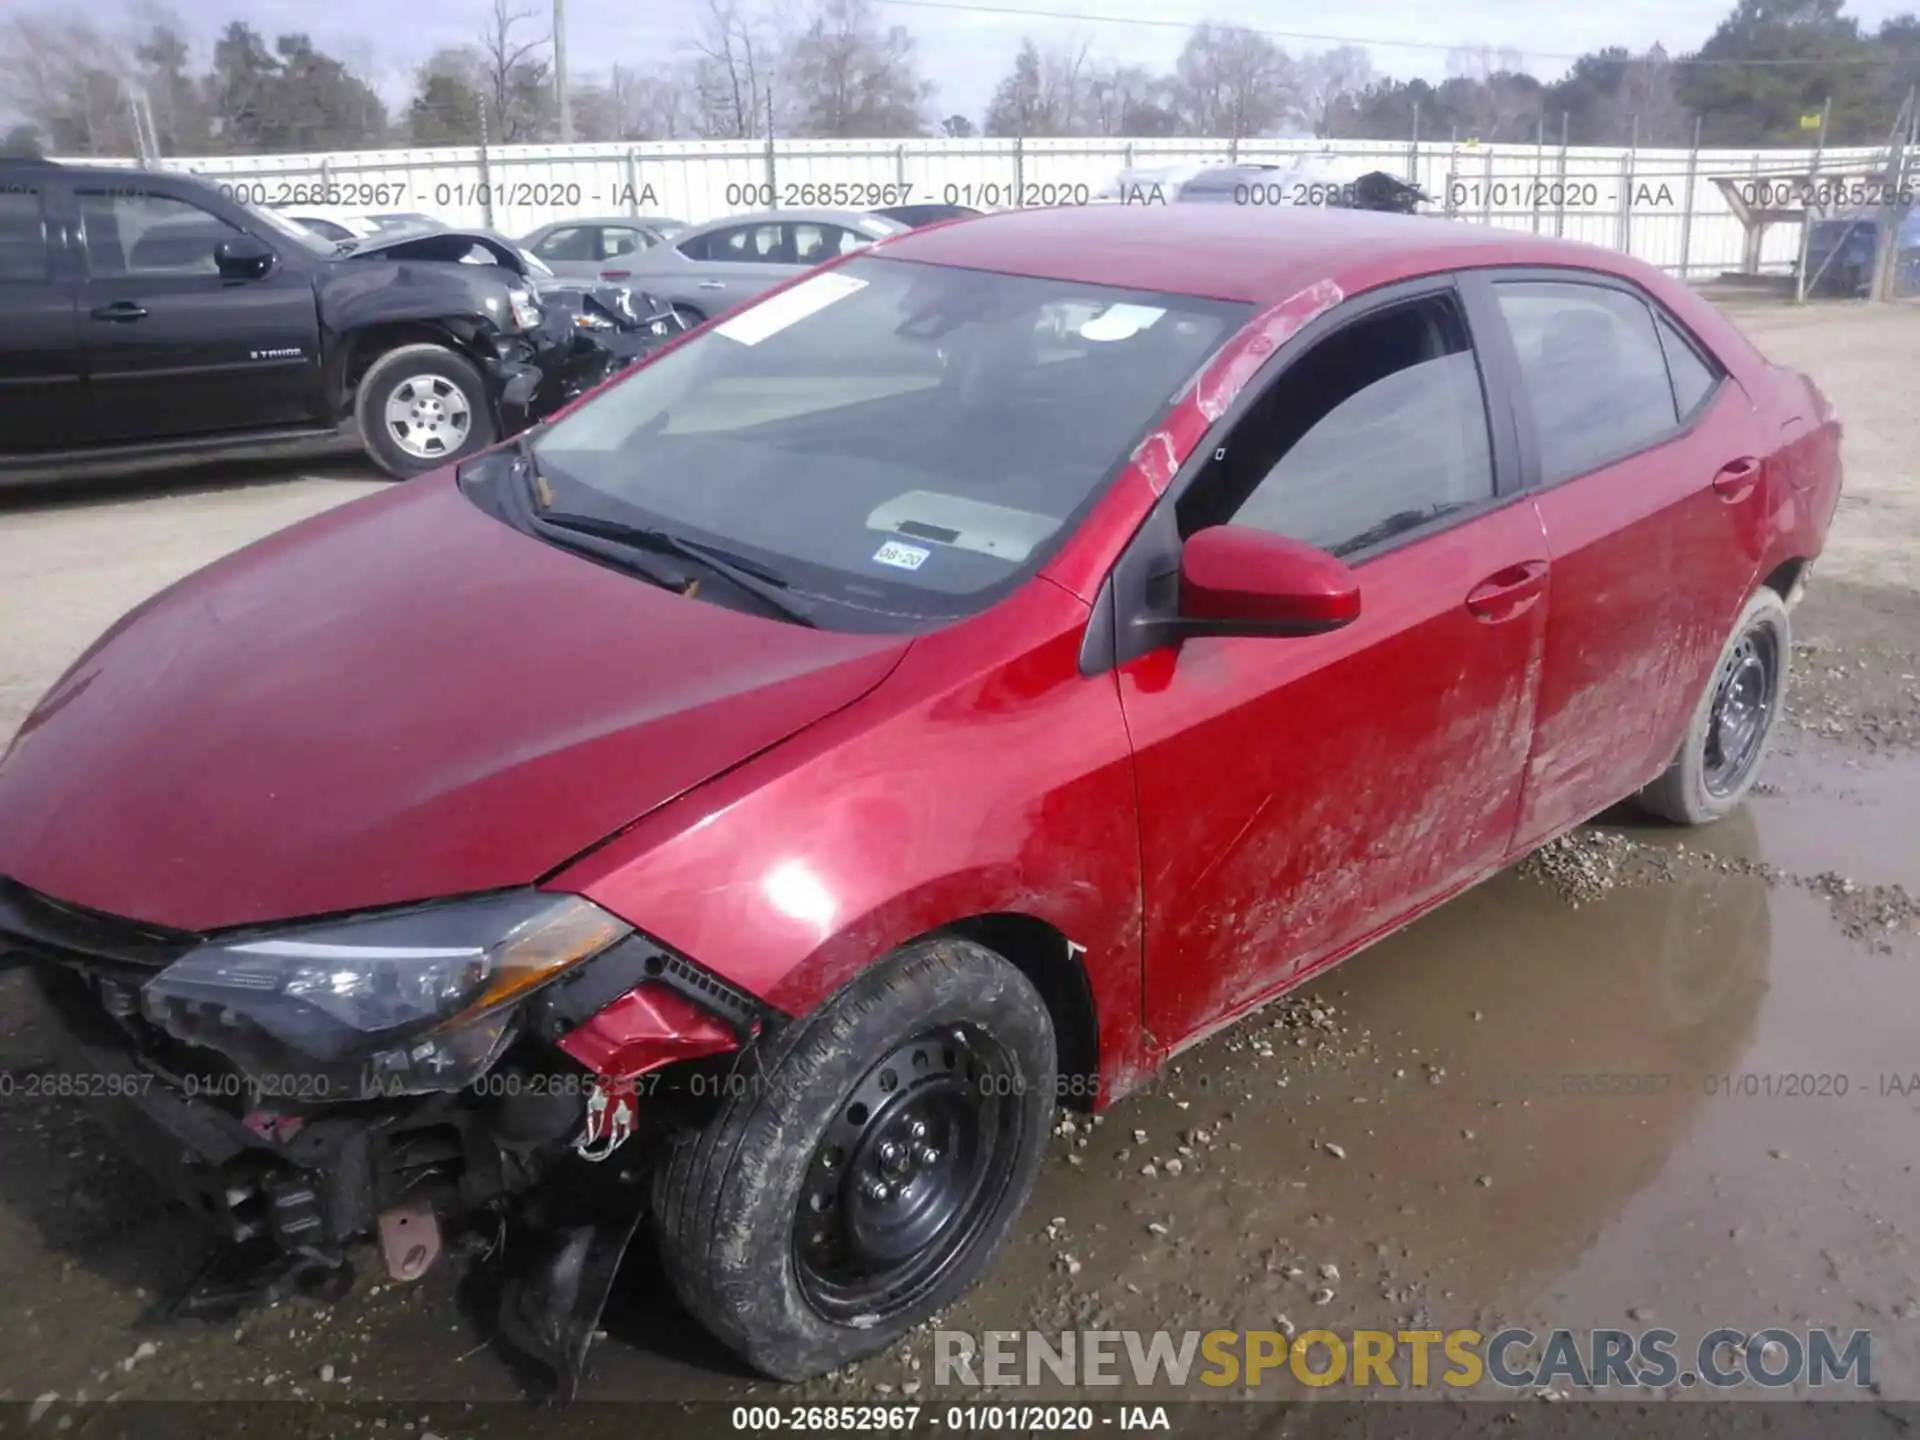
{"x":1232,"y":81}
{"x":852,"y":79}
{"x":1328,"y":78}
{"x":515,"y":78}
{"x":71,"y":78}
{"x":732,"y":72}
{"x":635,"y":104}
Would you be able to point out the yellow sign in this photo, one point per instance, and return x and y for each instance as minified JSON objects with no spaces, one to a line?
{"x":1810,"y":122}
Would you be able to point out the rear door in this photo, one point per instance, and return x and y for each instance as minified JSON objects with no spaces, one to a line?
{"x":174,"y":349}
{"x":732,"y":265}
{"x":1647,"y":462}
{"x":42,"y":399}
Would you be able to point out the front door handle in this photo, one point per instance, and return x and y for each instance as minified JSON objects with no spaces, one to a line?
{"x":713,"y":284}
{"x":120,"y":311}
{"x":1509,"y":592}
{"x":1736,"y":481}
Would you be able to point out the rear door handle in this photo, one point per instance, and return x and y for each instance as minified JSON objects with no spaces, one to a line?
{"x":1507,"y":593}
{"x":120,"y":311}
{"x":1736,"y":481}
{"x":713,"y":284}
{"x":615,"y":274}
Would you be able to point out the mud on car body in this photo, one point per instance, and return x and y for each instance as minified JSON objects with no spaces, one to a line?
{"x":751,"y":800}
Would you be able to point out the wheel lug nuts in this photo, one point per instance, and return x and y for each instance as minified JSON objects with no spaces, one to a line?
{"x":925,"y":1154}
{"x":889,"y":1152}
{"x":877,"y":1190}
{"x":918,"y":1129}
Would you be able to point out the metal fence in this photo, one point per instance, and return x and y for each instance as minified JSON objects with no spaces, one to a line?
{"x":1662,"y":206}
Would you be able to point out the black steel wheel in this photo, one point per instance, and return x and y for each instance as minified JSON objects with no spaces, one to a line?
{"x":910,"y":1169}
{"x":871,"y":1172}
{"x":1727,"y":736}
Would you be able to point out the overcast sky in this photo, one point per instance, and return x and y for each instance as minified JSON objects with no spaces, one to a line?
{"x":965,"y":52}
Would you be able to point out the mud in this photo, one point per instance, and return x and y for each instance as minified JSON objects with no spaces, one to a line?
{"x":1648,"y":1076}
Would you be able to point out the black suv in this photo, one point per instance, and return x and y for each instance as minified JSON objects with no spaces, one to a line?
{"x":146,"y":314}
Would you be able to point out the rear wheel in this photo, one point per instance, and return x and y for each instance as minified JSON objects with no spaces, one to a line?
{"x":420,"y":407}
{"x":1719,"y":759}
{"x":870,"y":1175}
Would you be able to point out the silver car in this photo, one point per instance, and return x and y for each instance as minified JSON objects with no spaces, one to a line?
{"x":598,"y":247}
{"x":712,"y":268}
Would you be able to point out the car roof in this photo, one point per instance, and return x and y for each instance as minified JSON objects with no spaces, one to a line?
{"x":1234,"y":252}
{"x":632,"y":221}
{"x":847,"y":219}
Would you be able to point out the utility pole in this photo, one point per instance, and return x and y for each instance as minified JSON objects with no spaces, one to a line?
{"x":560,"y":71}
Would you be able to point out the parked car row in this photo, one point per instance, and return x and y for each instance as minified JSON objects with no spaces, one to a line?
{"x":941,"y":690}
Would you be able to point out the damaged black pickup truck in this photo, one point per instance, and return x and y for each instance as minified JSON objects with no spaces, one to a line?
{"x":147,"y":316}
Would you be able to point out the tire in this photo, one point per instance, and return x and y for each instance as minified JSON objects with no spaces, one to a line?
{"x":728,"y":1200}
{"x":438,"y":377}
{"x":1718,"y":763}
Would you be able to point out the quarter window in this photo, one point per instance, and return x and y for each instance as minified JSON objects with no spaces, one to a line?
{"x":1379,"y":430}
{"x":1693,"y":377}
{"x":1592,"y":370}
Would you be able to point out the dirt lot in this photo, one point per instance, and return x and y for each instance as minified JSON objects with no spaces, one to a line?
{"x":1411,"y":1144}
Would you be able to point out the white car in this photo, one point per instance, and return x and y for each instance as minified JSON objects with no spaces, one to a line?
{"x":331,"y":224}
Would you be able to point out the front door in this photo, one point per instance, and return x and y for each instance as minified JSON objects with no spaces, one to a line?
{"x":173,"y":348}
{"x":1300,"y":795}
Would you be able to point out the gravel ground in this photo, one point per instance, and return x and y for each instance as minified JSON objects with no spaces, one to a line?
{"x":1398,"y":1147}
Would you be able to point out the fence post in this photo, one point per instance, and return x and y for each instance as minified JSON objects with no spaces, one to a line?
{"x":633,"y":183}
{"x":1560,"y":199}
{"x":1413,"y":148}
{"x":486,"y":172}
{"x":1019,"y":168}
{"x":1686,"y":222}
{"x":1626,"y":190}
{"x":900,"y":170}
{"x":1539,"y":156}
{"x":326,"y":181}
{"x":1486,"y":187}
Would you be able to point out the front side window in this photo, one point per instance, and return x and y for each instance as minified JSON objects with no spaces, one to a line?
{"x":129,"y":233}
{"x":1592,"y":372}
{"x":573,"y":243}
{"x":1379,"y":430}
{"x":904,"y":441}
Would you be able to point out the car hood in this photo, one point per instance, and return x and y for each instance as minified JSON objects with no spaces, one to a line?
{"x":398,"y":700}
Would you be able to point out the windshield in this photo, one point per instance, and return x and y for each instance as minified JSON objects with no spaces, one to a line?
{"x":906,"y":441}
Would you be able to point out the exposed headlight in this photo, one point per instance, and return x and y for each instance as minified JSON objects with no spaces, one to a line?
{"x":526,"y":309}
{"x":586,"y":320}
{"x":397,"y":1003}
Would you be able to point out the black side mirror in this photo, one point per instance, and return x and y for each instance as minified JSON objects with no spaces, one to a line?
{"x":243,"y":257}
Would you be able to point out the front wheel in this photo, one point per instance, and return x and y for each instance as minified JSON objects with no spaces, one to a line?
{"x":420,"y":407}
{"x":1719,"y":759}
{"x":869,"y":1174}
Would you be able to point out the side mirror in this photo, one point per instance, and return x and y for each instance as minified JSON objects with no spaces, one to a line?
{"x":1239,"y":581}
{"x":243,"y":258}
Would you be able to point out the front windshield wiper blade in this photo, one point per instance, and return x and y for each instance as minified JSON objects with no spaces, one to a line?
{"x":769,"y":589}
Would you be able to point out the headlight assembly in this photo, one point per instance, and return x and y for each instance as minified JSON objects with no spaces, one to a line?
{"x":401,"y":1002}
{"x":526,"y":310}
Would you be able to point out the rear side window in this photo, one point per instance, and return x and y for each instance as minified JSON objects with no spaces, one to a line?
{"x":1593,"y":371}
{"x":23,"y":237}
{"x":1379,"y":430}
{"x":1693,"y":377}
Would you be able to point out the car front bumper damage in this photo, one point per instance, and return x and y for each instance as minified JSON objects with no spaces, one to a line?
{"x":506,"y":1171}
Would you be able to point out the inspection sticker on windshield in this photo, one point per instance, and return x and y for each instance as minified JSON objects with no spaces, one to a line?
{"x":1120,"y":322}
{"x":789,"y":307}
{"x":901,"y":557}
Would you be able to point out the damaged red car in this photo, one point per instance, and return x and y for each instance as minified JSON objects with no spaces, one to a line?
{"x":748,"y":804}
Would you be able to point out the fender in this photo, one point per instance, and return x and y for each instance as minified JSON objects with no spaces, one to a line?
{"x":789,"y":874}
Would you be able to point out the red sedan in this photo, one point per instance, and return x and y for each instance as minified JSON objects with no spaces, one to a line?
{"x":947,"y":687}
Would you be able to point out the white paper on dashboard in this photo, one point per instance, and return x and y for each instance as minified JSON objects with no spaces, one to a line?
{"x":789,"y":307}
{"x":1120,"y":322}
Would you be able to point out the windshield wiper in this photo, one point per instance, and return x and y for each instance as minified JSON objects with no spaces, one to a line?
{"x":764,"y":586}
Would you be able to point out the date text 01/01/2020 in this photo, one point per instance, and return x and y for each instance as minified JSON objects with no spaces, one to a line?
{"x":965,"y":1419}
